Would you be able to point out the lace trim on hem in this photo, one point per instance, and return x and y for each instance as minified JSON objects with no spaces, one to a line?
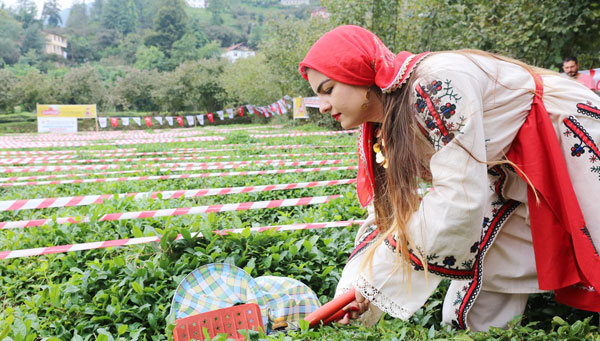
{"x":380,"y":300}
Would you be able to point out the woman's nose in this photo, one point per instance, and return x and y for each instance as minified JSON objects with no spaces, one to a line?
{"x":324,"y":106}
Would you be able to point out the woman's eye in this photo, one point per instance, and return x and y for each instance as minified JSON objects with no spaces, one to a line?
{"x":328,"y":91}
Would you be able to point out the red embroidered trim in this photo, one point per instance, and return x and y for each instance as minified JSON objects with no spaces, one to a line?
{"x":577,"y":129}
{"x":588,"y":110}
{"x":432,"y":111}
{"x":495,"y":224}
{"x":368,"y":240}
{"x":433,"y":268}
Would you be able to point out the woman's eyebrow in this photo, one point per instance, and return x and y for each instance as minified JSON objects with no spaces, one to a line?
{"x":321,"y":85}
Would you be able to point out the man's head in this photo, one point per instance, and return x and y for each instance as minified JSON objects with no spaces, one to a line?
{"x":570,"y":66}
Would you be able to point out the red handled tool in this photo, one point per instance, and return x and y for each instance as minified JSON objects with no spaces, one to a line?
{"x":331,"y":311}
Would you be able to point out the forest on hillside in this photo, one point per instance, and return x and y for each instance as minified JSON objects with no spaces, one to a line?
{"x":161,"y":55}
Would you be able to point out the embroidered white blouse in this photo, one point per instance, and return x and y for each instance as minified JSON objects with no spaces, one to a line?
{"x":473,"y":226}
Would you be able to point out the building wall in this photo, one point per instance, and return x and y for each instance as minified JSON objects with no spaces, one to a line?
{"x":196,"y":3}
{"x":56,"y":44}
{"x":295,"y":2}
{"x":234,"y":55}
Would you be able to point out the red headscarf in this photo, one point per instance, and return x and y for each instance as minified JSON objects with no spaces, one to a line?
{"x":353,"y":55}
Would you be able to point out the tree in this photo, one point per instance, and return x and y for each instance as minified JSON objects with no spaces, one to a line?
{"x":11,"y":35}
{"x":33,"y":88}
{"x":146,"y":12}
{"x":7,"y":94}
{"x":134,"y":90}
{"x":82,"y":86}
{"x":224,"y":34}
{"x":25,"y":12}
{"x":119,"y":15}
{"x":540,"y":33}
{"x":51,"y":13}
{"x":149,"y":58}
{"x":185,"y":48}
{"x":249,"y":80}
{"x":33,"y":39}
{"x":80,"y":50}
{"x":216,"y":9}
{"x":96,"y":10}
{"x":287,"y":42}
{"x":210,"y":50}
{"x":192,"y":86}
{"x":170,"y":24}
{"x":129,"y":46}
{"x":78,"y":17}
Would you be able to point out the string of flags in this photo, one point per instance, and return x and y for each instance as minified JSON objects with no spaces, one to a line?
{"x":280,"y":107}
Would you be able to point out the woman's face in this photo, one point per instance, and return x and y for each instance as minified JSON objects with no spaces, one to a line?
{"x":347,"y":104}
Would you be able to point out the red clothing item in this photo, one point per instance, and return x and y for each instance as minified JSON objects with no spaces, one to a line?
{"x":586,"y":80}
{"x":353,"y":55}
{"x":566,"y":260}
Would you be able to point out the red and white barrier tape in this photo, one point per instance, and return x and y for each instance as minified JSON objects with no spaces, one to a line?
{"x":172,"y":212}
{"x":267,"y":147}
{"x":183,"y":176}
{"x":198,"y":165}
{"x":17,"y":144}
{"x":276,"y":171}
{"x":314,"y":133}
{"x":60,"y":152}
{"x":59,"y":176}
{"x":131,"y":151}
{"x":27,"y":204}
{"x":131,"y":134}
{"x":51,"y":160}
{"x":144,"y":240}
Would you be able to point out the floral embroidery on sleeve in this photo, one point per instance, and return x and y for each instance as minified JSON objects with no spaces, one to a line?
{"x":437,"y":107}
{"x":583,"y":142}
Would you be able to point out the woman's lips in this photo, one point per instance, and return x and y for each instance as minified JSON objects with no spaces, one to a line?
{"x":336,"y":116}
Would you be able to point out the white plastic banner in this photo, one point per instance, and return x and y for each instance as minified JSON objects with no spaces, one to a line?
{"x":200,"y":119}
{"x":57,"y":124}
{"x":102,"y":121}
{"x":169,"y":120}
{"x":125,"y":121}
{"x":159,"y":119}
{"x":190,"y":120}
{"x":137,"y":120}
{"x":221,"y":115}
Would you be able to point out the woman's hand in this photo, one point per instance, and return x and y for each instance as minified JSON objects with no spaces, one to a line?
{"x":355,"y":308}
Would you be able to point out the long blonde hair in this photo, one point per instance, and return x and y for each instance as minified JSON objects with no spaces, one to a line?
{"x":396,"y":188}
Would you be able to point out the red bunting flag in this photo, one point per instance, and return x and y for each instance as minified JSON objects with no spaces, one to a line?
{"x":114,"y":121}
{"x":240,"y":111}
{"x":211,"y":118}
{"x":148,"y":121}
{"x":179,"y":120}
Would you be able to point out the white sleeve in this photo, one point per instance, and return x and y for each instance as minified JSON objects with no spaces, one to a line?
{"x":447,"y":227}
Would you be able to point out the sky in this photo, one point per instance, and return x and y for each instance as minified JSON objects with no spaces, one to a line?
{"x":40,"y":4}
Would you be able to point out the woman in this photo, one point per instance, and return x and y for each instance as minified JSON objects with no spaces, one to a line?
{"x":510,"y":152}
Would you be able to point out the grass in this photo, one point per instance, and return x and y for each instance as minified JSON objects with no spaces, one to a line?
{"x":90,"y":295}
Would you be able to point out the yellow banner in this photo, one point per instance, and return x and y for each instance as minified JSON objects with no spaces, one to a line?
{"x":59,"y":110}
{"x":299,"y":108}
